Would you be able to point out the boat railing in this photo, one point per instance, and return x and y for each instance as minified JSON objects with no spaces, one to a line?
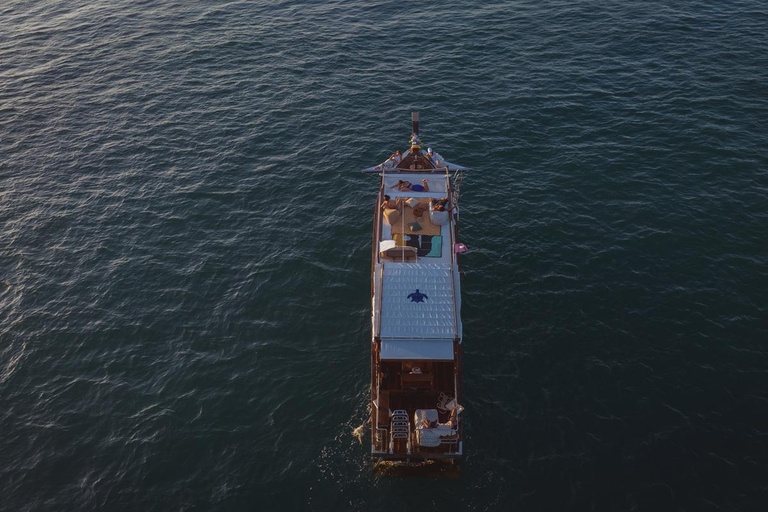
{"x":380,"y":434}
{"x":398,"y":170}
{"x":448,"y":446}
{"x":380,"y":441}
{"x":453,"y":265}
{"x":459,"y":420}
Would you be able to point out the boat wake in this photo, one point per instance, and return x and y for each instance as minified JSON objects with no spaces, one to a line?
{"x":434,"y":468}
{"x":359,"y":432}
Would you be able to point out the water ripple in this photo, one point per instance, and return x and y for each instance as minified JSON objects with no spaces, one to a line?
{"x":184,"y":290}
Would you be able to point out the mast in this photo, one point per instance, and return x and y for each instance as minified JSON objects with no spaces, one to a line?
{"x":415,"y":141}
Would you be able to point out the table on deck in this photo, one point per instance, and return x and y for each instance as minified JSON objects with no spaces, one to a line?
{"x":416,"y":380}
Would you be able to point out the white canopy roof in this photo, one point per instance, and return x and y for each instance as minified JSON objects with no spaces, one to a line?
{"x":417,"y":350}
{"x":417,"y":302}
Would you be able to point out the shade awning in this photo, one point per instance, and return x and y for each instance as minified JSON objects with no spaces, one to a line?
{"x":417,"y":302}
{"x":417,"y":350}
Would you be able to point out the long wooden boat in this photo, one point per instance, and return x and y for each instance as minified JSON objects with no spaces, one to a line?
{"x":416,"y":330}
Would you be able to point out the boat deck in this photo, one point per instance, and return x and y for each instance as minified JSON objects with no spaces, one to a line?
{"x":424,"y":239}
{"x":417,"y":298}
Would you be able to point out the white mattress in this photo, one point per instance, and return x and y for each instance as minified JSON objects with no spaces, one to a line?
{"x":437,"y":184}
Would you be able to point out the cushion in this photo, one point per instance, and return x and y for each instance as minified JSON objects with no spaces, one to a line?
{"x":424,"y":414}
{"x":412,"y":202}
{"x":385,"y":245}
{"x":400,"y":253}
{"x":428,"y":438}
{"x":414,"y":226}
{"x":391,"y":215}
{"x":444,"y":430}
{"x":439,"y":218}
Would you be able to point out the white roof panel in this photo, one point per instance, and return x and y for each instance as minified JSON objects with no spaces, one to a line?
{"x":433,"y":350}
{"x":417,"y":301}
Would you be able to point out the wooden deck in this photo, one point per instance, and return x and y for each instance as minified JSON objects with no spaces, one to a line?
{"x":415,"y":161}
{"x":402,"y":390}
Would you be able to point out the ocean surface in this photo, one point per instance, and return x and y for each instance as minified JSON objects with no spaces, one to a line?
{"x":185,"y":250}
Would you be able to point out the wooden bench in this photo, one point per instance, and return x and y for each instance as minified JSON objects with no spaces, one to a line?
{"x":400,"y":253}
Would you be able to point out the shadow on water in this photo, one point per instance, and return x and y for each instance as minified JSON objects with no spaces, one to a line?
{"x":421,"y":469}
{"x":426,"y":469}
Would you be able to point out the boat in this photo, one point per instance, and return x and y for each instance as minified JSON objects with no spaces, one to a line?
{"x":416,"y":329}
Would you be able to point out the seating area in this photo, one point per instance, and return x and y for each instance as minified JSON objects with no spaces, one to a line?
{"x":415,"y":228}
{"x":430,"y":433}
{"x":411,"y":391}
{"x":417,"y":214}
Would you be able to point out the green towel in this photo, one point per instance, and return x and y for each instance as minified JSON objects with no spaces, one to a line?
{"x":437,"y":247}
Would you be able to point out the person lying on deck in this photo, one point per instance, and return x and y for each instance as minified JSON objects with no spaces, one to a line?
{"x":388,"y":203}
{"x":407,"y":185}
{"x":392,"y":161}
{"x":439,"y":205}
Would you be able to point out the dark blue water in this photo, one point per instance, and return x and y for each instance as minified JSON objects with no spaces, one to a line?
{"x":185,"y":243}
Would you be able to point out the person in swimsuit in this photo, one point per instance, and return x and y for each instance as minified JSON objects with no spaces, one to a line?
{"x":439,"y":205}
{"x":407,"y":185}
{"x":390,"y":204}
{"x":392,"y":161}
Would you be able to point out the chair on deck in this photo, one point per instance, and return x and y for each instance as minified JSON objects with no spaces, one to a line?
{"x":400,"y":429}
{"x":443,"y":403}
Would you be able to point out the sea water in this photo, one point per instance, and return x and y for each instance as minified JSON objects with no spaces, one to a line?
{"x":185,"y":244}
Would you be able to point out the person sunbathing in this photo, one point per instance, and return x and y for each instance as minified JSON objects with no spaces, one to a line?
{"x":407,"y":185}
{"x":388,"y":203}
{"x":392,"y":161}
{"x":439,"y":205}
{"x":429,"y":424}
